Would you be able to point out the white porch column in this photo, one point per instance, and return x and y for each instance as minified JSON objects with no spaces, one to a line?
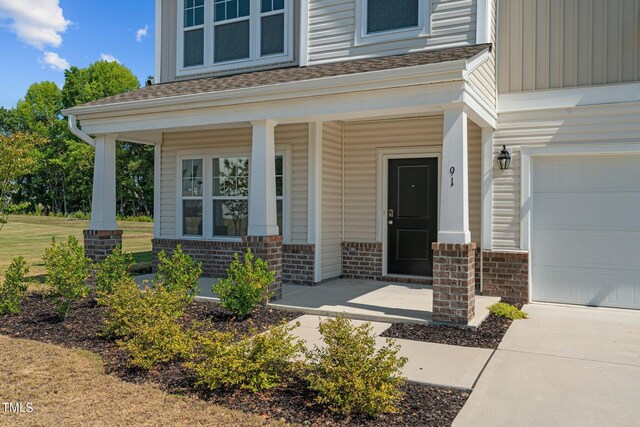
{"x":454,"y":196}
{"x":314,"y":225}
{"x":157,"y":190}
{"x":487,"y":188}
{"x":263,"y":219}
{"x":103,"y":207}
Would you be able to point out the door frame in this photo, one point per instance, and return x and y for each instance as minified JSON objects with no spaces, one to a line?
{"x":383,"y":156}
{"x":529,"y":154}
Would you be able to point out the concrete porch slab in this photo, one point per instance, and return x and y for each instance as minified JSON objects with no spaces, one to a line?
{"x":371,"y":301}
{"x":428,"y":363}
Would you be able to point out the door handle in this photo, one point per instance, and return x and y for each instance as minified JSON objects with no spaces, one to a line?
{"x":390,"y":222}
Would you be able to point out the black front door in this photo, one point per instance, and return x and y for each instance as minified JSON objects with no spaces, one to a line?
{"x":412,"y":216}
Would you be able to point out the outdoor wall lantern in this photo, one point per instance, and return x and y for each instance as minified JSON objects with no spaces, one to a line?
{"x":504,"y":158}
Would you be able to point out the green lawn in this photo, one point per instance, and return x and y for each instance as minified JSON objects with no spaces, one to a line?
{"x":30,"y":235}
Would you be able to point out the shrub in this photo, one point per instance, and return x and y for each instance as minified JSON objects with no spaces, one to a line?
{"x":67,"y":272}
{"x":257,"y":362}
{"x":246,"y":285}
{"x":13,"y":290}
{"x":349,"y":375}
{"x":509,"y":311}
{"x":179,"y":273}
{"x":146,"y":322}
{"x":112,"y":269}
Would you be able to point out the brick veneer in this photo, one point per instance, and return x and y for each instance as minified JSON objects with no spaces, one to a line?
{"x":506,"y":275}
{"x":98,"y":244}
{"x":298,"y":264}
{"x":362,"y":260}
{"x":453,"y":282}
{"x":216,"y":256}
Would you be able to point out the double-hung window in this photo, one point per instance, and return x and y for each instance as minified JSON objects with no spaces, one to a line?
{"x":383,"y":20}
{"x":226,"y":185}
{"x":219,"y":35}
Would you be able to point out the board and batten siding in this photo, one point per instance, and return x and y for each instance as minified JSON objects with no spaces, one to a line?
{"x":331,"y":252}
{"x":548,"y":44}
{"x":604,"y":124}
{"x":332,"y":28}
{"x":362,"y":140}
{"x":236,"y":141}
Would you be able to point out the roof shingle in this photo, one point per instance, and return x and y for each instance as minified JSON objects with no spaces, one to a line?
{"x":287,"y":75}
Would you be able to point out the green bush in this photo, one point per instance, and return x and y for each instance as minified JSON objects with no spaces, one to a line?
{"x":67,"y":273}
{"x":111,"y":270}
{"x":179,"y":273}
{"x":349,"y":375}
{"x":246,"y":285}
{"x":13,"y":290}
{"x":146,"y":322}
{"x":258,"y":362}
{"x":509,"y":311}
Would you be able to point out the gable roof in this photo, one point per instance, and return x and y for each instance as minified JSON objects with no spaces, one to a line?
{"x":287,"y":75}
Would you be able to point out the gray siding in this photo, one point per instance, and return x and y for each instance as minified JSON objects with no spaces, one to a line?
{"x":169,"y":41}
{"x":483,"y":79}
{"x":331,"y":255}
{"x":332,"y":27}
{"x":547,"y":44}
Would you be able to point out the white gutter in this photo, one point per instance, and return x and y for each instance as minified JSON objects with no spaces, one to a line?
{"x":73,"y":127}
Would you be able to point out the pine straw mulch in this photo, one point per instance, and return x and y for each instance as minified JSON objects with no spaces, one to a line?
{"x":422,"y":405}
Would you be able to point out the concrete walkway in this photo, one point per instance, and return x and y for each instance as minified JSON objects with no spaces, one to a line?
{"x":565,"y":366}
{"x":429,"y":363}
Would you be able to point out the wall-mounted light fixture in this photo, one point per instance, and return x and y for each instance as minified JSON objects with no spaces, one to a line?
{"x":504,"y":158}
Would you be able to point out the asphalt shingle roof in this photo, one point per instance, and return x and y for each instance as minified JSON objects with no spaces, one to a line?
{"x":287,"y":75}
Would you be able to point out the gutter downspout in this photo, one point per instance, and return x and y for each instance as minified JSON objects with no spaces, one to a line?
{"x":73,"y":127}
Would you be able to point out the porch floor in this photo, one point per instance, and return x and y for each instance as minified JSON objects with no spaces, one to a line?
{"x":360,"y":299}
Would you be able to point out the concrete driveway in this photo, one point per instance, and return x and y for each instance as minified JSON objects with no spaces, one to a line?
{"x":565,"y":366}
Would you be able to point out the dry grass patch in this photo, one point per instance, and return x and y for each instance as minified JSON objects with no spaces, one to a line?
{"x":68,"y":387}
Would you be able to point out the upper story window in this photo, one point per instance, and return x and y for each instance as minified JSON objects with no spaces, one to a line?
{"x":381,"y":21}
{"x":218,"y":35}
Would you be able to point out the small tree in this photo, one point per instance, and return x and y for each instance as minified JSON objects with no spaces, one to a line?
{"x":114,"y":268}
{"x":13,"y":290}
{"x":246,"y":285}
{"x":67,"y":273}
{"x":16,"y":160}
{"x":179,"y":273}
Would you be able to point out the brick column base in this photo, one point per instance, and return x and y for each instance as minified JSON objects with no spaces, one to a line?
{"x":269,"y":248}
{"x":505,"y":274}
{"x":98,"y":244}
{"x":454,"y":280}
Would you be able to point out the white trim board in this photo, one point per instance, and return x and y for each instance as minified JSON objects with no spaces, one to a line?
{"x":383,"y":155}
{"x":483,"y":21}
{"x":569,"y":98}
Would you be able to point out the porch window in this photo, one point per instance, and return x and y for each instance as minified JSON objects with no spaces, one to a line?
{"x":192,"y":197}
{"x":224,"y":34}
{"x":383,"y":20}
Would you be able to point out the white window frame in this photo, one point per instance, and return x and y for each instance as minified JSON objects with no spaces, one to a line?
{"x":207,"y":208}
{"x":182,"y":198}
{"x":422,"y":30}
{"x":254,"y":59}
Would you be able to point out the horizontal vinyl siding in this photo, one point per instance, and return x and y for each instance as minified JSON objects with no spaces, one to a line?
{"x":332,"y":27}
{"x":233,"y":141}
{"x":617,"y":123}
{"x":363,"y":140}
{"x":169,"y":41}
{"x":548,"y":44}
{"x":331,"y":255}
{"x":483,"y":79}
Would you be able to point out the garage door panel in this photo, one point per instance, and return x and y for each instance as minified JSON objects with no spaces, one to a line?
{"x":585,"y":230}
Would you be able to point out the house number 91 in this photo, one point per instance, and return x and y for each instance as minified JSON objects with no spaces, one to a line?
{"x":452,"y":171}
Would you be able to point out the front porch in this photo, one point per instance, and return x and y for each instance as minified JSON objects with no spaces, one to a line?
{"x":368,"y":300}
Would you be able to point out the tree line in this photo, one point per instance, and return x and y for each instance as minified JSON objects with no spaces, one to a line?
{"x":60,"y":174}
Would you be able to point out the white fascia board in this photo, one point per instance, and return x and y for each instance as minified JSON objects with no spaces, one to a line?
{"x":478,"y":109}
{"x":420,"y":74}
{"x":569,"y":98}
{"x":158,"y":42}
{"x":475,"y":62}
{"x":483,"y":21}
{"x":420,"y":99}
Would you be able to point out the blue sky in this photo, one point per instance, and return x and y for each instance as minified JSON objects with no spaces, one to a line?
{"x":38,"y":38}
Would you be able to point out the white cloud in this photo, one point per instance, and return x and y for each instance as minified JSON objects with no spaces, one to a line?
{"x":109,"y":58}
{"x":39,"y":23}
{"x":54,"y":61}
{"x":142,"y":33}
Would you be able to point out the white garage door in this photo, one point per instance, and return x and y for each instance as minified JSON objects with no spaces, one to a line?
{"x":585,"y":231}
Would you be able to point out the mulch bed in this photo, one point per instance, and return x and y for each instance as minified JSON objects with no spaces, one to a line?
{"x":422,"y":405}
{"x":488,"y":335}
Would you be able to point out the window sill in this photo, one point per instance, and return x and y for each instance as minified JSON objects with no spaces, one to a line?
{"x":391,"y":36}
